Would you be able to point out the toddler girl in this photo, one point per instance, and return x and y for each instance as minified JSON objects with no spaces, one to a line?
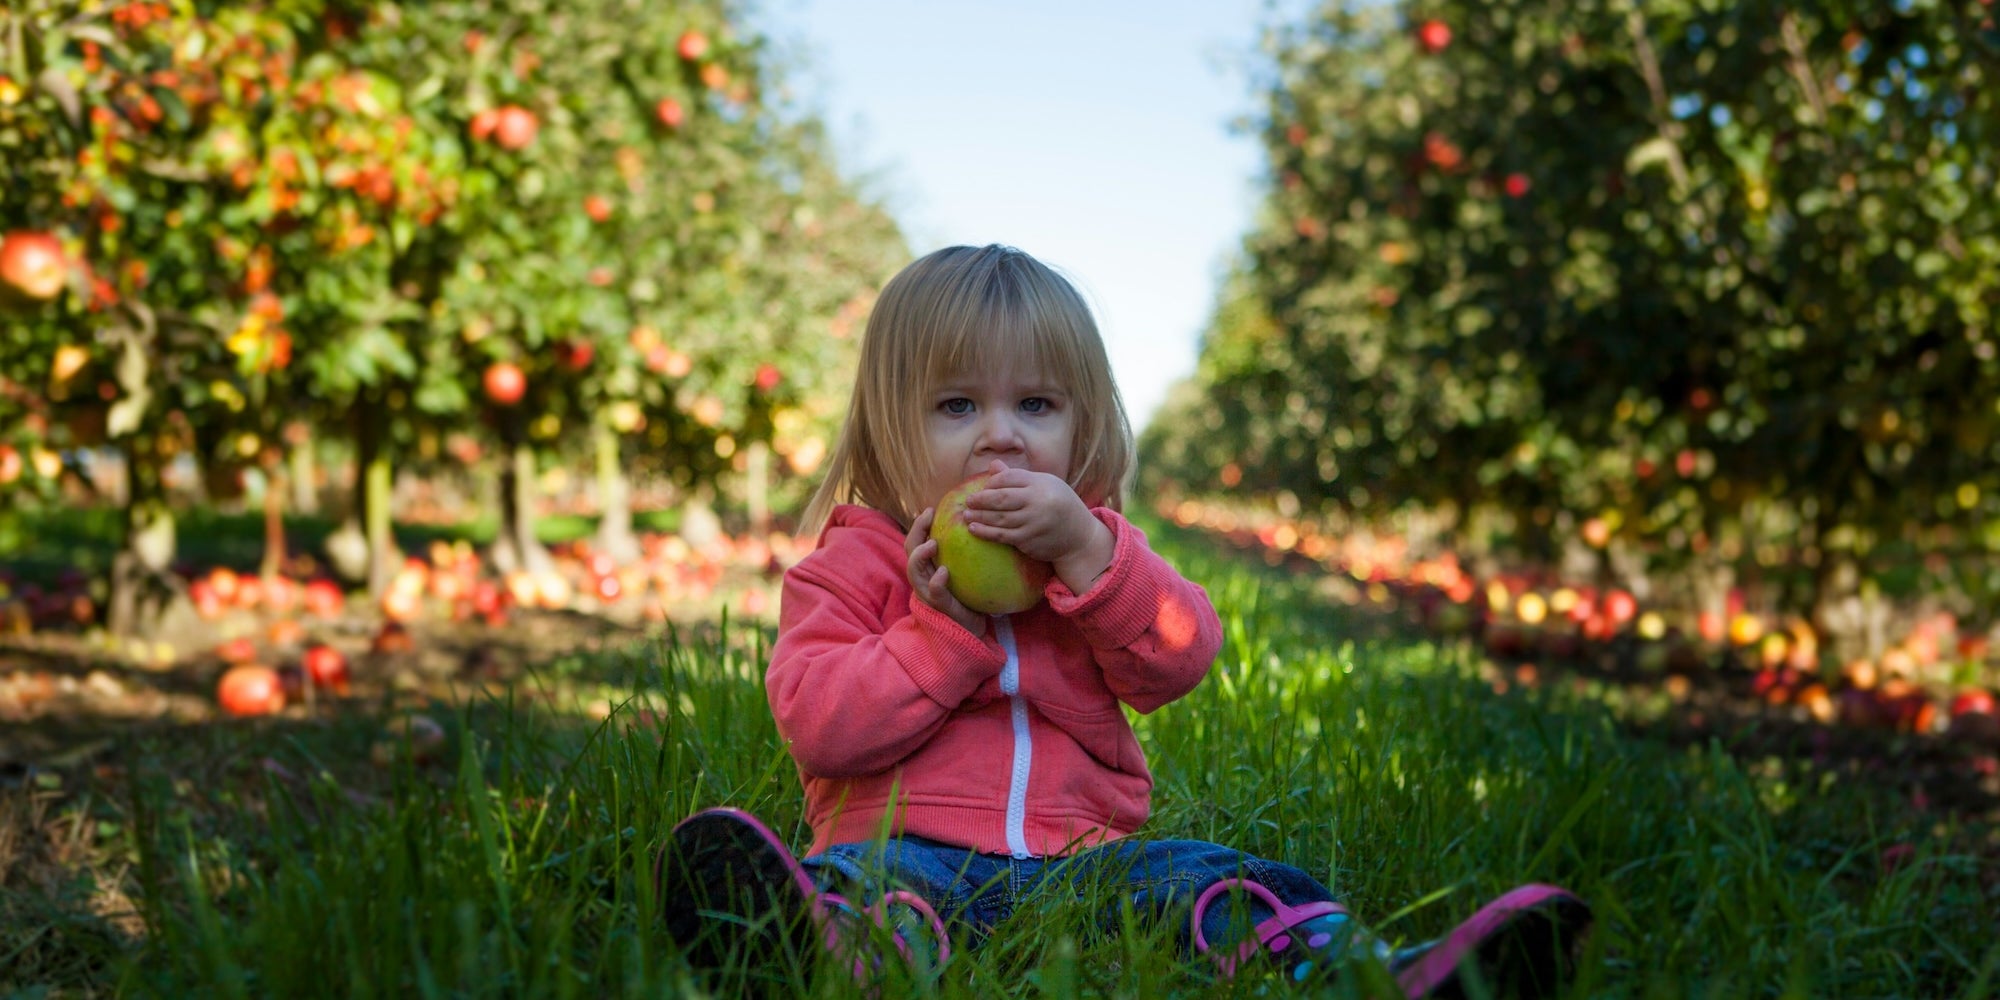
{"x":954,"y":762}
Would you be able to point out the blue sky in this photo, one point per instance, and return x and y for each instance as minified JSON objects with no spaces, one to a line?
{"x":1094,"y":135}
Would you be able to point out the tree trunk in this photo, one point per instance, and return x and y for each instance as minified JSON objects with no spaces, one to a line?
{"x":305,"y":492}
{"x":141,"y":588}
{"x":383,"y":555}
{"x":274,"y":520}
{"x":374,"y":474}
{"x":759,"y":461}
{"x":515,"y":547}
{"x":614,"y":495}
{"x":700,"y":527}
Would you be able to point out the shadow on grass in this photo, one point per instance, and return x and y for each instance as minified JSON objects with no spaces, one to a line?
{"x":46,"y":543}
{"x":213,"y":826}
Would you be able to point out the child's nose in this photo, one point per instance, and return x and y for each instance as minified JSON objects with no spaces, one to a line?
{"x":1000,"y":432}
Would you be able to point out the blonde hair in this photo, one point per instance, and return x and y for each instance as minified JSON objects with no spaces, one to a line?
{"x":966,"y":309}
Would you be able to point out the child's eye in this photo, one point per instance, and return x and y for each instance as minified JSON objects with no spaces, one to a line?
{"x":1034,"y":404}
{"x":957,"y":406}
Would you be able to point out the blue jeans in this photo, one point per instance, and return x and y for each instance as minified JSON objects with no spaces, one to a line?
{"x":1159,"y":879}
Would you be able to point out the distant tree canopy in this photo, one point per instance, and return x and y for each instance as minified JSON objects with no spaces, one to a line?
{"x":1702,"y":272}
{"x":439,"y":230}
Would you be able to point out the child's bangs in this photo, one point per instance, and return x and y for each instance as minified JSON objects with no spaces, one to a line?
{"x":1006,"y":328}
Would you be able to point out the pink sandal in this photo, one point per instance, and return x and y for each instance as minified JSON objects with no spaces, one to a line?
{"x":733,"y":885}
{"x":1522,"y":944}
{"x":1273,"y":935}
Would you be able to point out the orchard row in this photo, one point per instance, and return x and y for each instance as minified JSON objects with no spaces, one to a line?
{"x":234,"y":232}
{"x":1709,"y":289}
{"x":1937,"y":675}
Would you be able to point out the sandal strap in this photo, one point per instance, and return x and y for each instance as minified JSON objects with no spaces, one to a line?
{"x":1272,"y":934}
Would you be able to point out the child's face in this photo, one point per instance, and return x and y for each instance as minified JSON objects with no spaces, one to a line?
{"x":1019,"y":416}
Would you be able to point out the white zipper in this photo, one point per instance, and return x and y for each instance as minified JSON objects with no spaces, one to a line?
{"x":1024,"y":749}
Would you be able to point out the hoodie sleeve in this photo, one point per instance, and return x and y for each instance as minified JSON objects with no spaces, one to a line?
{"x":1152,"y":632}
{"x":854,"y":692}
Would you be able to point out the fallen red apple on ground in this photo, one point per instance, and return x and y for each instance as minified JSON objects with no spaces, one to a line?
{"x":1972,"y":701}
{"x":286,"y":632}
{"x":327,"y":668}
{"x":206,"y":603}
{"x":250,"y":689}
{"x":224,"y":582}
{"x":323,"y":598}
{"x":392,"y":639}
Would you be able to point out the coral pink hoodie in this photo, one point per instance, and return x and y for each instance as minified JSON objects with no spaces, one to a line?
{"x":1012,"y":742}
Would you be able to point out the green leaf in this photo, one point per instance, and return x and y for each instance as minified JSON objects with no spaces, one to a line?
{"x":1657,"y":151}
{"x":54,"y":82}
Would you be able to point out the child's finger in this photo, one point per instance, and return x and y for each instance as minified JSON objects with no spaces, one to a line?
{"x":1009,"y":479}
{"x":920,"y":528}
{"x":994,"y":498}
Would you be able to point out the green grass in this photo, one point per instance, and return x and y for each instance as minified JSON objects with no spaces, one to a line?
{"x":1386,"y":768}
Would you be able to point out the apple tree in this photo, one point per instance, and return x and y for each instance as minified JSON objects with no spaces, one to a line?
{"x":1719,"y":278}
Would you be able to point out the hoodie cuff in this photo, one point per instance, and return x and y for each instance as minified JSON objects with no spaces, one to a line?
{"x":946,"y":662}
{"x":1122,"y":603}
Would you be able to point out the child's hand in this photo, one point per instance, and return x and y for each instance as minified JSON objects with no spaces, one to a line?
{"x":930,"y":579}
{"x":1041,"y":516}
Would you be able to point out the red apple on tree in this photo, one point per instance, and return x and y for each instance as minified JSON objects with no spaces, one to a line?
{"x":576,"y":353}
{"x":1434,"y":35}
{"x":484,"y":123}
{"x":989,"y":577}
{"x":693,"y":45}
{"x":597,"y":207}
{"x":504,"y":383}
{"x":670,"y":112}
{"x":768,"y":377}
{"x":32,"y":264}
{"x":515,"y":128}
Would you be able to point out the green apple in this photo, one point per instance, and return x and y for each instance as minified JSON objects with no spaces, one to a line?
{"x":989,"y":577}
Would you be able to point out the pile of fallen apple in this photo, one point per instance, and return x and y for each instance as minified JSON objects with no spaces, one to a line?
{"x":1937,"y":678}
{"x":286,"y":640}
